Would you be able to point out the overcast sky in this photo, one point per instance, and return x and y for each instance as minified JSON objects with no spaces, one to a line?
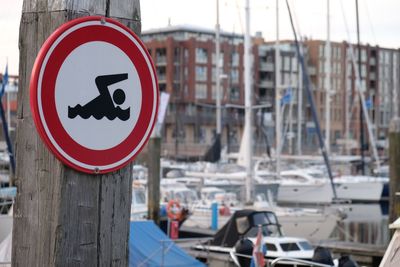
{"x":379,"y":20}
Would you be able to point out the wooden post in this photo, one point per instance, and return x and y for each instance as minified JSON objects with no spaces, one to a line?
{"x":153,"y":182}
{"x":394,"y":169}
{"x":62,"y":217}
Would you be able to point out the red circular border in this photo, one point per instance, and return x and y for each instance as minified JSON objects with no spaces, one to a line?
{"x":96,"y":158}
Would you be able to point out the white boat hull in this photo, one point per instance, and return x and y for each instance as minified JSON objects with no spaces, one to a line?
{"x":314,"y":227}
{"x":359,"y":191}
{"x":305,"y":193}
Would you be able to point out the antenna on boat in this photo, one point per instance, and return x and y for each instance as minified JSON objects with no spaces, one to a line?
{"x":307,"y":85}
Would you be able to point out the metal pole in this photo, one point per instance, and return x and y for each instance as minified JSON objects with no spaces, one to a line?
{"x":299,"y":109}
{"x":217,"y":72}
{"x":277,"y":96}
{"x":8,"y":112}
{"x":248,"y":111}
{"x":360,"y":111}
{"x":328,"y":85}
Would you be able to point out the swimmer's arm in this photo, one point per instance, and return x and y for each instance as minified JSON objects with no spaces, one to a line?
{"x":102,"y":82}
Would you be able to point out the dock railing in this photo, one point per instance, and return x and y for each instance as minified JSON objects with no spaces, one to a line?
{"x":298,"y":261}
{"x":294,"y":262}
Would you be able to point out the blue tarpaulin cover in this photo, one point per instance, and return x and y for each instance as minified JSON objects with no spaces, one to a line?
{"x":147,"y":244}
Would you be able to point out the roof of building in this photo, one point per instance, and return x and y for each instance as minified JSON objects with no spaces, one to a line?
{"x":189,"y":28}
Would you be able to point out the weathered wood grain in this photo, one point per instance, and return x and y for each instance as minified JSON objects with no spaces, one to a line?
{"x":62,"y":217}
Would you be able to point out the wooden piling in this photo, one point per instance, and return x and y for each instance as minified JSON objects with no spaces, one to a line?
{"x":394,"y":169}
{"x":153,"y":182}
{"x":63,"y":217}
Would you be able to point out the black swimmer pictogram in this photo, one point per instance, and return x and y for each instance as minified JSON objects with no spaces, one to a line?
{"x":104,"y":105}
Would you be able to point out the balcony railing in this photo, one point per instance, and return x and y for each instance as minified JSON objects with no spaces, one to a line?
{"x":266,"y":66}
{"x":266,"y":84}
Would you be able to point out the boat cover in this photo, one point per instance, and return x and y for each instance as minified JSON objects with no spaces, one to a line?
{"x":228,"y":235}
{"x":149,"y":246}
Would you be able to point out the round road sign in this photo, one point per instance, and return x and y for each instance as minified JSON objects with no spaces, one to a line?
{"x":94,"y":94}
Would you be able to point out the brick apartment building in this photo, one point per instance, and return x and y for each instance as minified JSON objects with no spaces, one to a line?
{"x":185,"y":62}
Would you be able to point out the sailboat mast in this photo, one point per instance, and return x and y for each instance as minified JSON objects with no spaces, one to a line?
{"x":299,"y":108}
{"x":248,"y":111}
{"x":217,"y":73}
{"x":277,"y":96}
{"x":328,"y":84}
{"x":360,"y":111}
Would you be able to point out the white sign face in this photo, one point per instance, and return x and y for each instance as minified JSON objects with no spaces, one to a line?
{"x":91,"y":132}
{"x":94,"y":94}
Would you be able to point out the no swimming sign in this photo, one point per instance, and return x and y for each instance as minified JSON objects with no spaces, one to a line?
{"x":94,"y":94}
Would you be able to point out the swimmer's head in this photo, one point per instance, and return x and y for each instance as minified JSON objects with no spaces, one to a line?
{"x":119,"y":96}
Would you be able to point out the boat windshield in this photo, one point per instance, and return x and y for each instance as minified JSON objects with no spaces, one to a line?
{"x":267,"y":230}
{"x":305,"y":245}
{"x":264,"y":218}
{"x":267,"y":220}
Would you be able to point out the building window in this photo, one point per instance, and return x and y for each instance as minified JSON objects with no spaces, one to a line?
{"x":161,"y":56}
{"x":363,"y":55}
{"x":234,"y":94}
{"x":214,"y":74}
{"x":235,"y":59}
{"x":234,"y":76}
{"x":201,"y":91}
{"x":185,"y":55}
{"x":294,"y":64}
{"x":177,"y":73}
{"x":363,"y":71}
{"x":202,"y":135}
{"x":321,"y":66}
{"x":286,"y":63}
{"x":201,"y":55}
{"x":201,"y":73}
{"x":177,"y":54}
{"x":321,"y":51}
{"x":161,"y":73}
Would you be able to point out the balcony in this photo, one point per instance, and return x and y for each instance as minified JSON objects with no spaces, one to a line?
{"x":266,"y":100}
{"x":266,"y":67}
{"x":266,"y":84}
{"x":203,"y":119}
{"x":372,"y":76}
{"x":161,"y":60}
{"x":162,"y":78}
{"x":372,"y":61}
{"x":184,"y":150}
